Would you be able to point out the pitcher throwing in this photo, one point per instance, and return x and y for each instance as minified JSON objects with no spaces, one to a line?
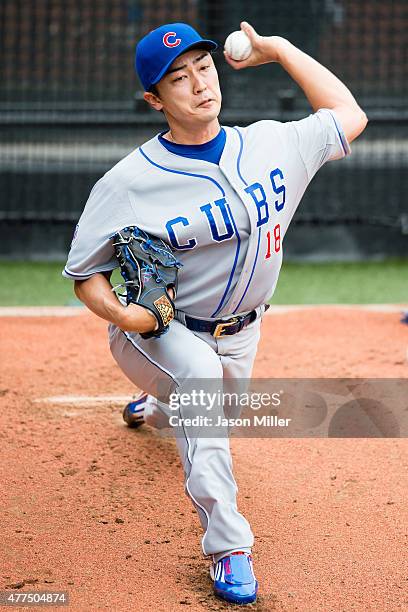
{"x":222,"y":199}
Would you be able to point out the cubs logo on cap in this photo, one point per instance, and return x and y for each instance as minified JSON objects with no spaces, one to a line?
{"x":167,"y":41}
{"x":157,"y":50}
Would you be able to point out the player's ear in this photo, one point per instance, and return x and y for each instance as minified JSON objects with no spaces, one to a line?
{"x":153,"y":100}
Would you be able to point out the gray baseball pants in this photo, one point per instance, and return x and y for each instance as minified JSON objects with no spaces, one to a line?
{"x":162,"y":367}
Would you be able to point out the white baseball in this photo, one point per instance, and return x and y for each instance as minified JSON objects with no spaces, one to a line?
{"x":238,"y":46}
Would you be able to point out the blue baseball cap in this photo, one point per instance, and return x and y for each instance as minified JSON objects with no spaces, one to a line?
{"x":157,"y":50}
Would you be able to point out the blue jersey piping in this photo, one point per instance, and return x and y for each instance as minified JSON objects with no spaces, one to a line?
{"x":203,"y":176}
{"x":241,"y":146}
{"x":252,"y":273}
{"x":229,"y":210}
{"x":233,"y":266}
{"x":239,"y":156}
{"x":259,"y":229}
{"x":339,"y":133}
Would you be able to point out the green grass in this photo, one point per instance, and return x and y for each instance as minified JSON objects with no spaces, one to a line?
{"x":384,"y":282}
{"x":41,"y":284}
{"x":34,"y":284}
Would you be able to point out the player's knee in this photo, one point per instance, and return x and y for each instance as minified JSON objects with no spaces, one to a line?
{"x":203,"y":364}
{"x":198,"y":487}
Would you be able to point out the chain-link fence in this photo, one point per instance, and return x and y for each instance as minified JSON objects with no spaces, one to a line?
{"x":71,"y":105}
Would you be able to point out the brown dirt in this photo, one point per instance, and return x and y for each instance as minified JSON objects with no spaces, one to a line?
{"x":94,"y":508}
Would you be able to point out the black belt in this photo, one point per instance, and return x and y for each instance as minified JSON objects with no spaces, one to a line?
{"x":222,"y":327}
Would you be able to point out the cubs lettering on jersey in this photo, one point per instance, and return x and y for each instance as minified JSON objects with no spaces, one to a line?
{"x":226,"y":221}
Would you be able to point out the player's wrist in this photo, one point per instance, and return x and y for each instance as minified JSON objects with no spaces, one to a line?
{"x":274,"y":48}
{"x":137,"y":319}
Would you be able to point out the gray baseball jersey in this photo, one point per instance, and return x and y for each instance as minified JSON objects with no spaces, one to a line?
{"x":227,"y":222}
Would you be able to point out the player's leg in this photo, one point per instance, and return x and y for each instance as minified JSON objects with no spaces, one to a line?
{"x":150,"y":376}
{"x":237,"y":354}
{"x":232,"y":569}
{"x":164,"y":367}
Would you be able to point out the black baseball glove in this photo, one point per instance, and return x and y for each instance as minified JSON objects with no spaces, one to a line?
{"x":149,"y":269}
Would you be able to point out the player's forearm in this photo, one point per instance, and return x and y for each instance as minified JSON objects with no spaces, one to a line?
{"x":321,"y":87}
{"x":97,"y":295}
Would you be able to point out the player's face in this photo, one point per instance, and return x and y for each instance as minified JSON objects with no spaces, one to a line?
{"x":190,"y":91}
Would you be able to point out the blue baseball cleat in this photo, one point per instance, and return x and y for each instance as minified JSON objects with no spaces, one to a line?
{"x":133,"y":413}
{"x":234,"y":578}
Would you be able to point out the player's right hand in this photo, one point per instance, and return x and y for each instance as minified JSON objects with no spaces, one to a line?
{"x":265,"y":49}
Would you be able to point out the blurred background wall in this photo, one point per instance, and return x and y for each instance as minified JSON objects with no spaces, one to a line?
{"x":71,"y":106}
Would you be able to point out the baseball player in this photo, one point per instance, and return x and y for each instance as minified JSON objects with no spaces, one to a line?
{"x":222,"y":198}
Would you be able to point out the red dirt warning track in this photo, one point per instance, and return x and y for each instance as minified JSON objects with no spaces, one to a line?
{"x":98,"y":510}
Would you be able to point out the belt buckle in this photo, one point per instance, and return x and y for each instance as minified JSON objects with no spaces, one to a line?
{"x":219,"y":330}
